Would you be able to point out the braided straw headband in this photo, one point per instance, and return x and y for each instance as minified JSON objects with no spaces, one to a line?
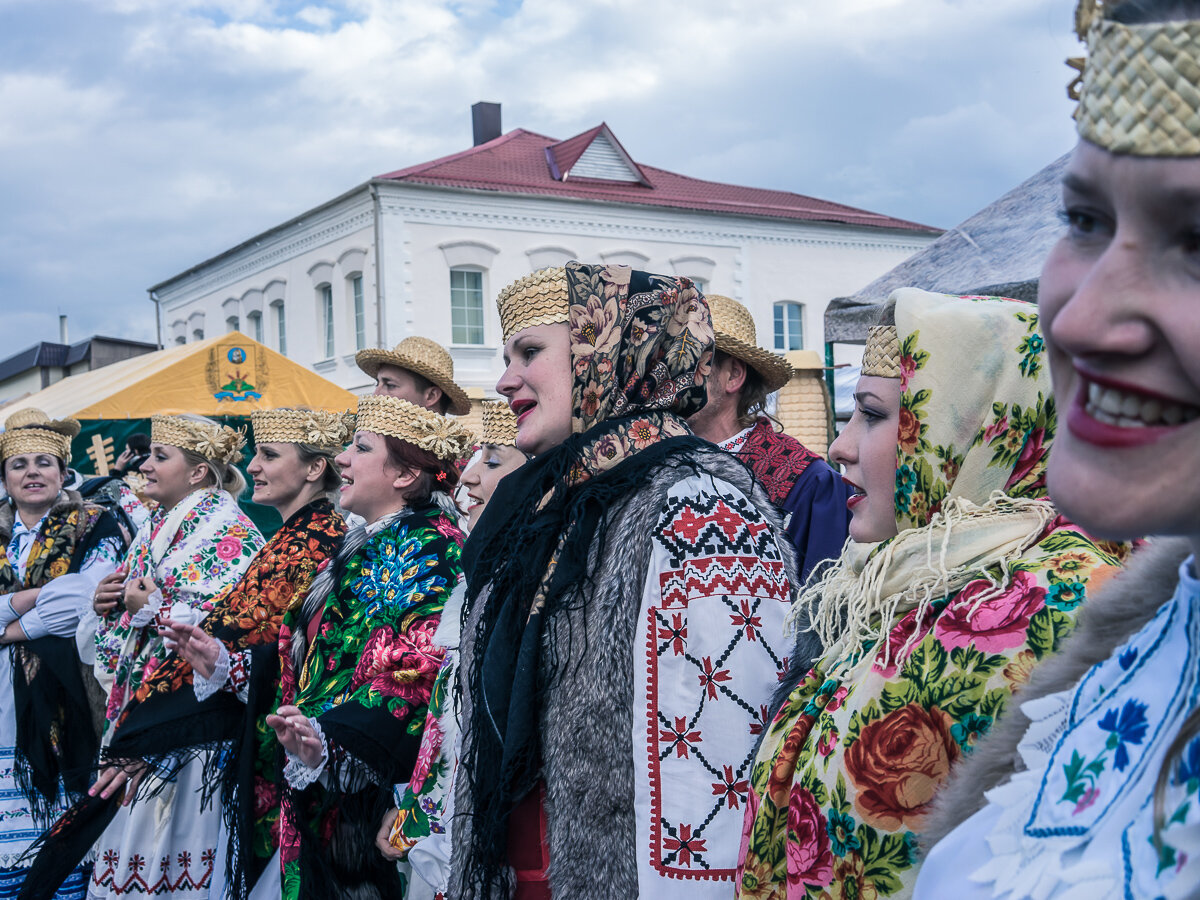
{"x":499,"y":424}
{"x":444,"y":438}
{"x":324,"y":430}
{"x":1141,"y":88}
{"x":537,"y":299}
{"x":35,"y":440}
{"x":218,"y":443}
{"x":881,"y":357}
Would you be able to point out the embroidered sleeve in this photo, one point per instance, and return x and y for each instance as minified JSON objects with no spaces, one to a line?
{"x":709,"y":651}
{"x":230,"y":673}
{"x":145,"y":615}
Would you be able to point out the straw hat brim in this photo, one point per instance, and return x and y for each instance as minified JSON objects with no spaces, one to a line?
{"x":774,"y":369}
{"x":370,"y":361}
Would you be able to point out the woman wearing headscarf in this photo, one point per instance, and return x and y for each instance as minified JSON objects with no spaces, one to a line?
{"x":417,"y":833}
{"x":195,"y":546}
{"x":54,"y":549}
{"x":213,"y":692}
{"x":358,"y":655}
{"x":1093,"y":784}
{"x":959,"y":575}
{"x":626,"y":593}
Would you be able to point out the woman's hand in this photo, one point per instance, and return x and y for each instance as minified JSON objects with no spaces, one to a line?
{"x":296,"y":735}
{"x":137,"y":592}
{"x":109,"y":592}
{"x":198,"y":648}
{"x":383,"y":839}
{"x":114,"y":778}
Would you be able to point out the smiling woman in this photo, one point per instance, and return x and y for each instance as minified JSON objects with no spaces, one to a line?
{"x":54,"y":549}
{"x":1107,"y":742}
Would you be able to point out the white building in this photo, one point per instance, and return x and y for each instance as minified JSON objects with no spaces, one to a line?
{"x":425,"y":250}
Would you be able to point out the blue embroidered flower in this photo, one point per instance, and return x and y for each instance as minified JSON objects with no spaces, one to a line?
{"x":841,"y":833}
{"x":970,"y":730}
{"x":1065,"y":595}
{"x":1127,"y":726}
{"x":1128,"y":658}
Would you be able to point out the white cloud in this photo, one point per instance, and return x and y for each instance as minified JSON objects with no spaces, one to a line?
{"x":138,"y":137}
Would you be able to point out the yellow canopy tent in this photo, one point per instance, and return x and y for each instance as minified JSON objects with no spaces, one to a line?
{"x":226,"y":377}
{"x":230,"y":375}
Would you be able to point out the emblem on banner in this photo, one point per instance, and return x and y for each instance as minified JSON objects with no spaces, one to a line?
{"x":236,"y":372}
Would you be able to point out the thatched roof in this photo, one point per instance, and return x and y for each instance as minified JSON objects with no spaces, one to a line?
{"x":999,"y":250}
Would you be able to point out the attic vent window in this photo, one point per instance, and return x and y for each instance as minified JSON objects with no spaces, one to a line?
{"x":603,"y":161}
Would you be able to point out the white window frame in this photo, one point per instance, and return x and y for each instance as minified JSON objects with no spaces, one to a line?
{"x":783,"y":337}
{"x":358,"y":305}
{"x":473,"y":329}
{"x":255,"y":320}
{"x":280,"y":326}
{"x":325,"y":309}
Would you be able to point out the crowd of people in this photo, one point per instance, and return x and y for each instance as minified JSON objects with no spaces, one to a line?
{"x":634,"y":641}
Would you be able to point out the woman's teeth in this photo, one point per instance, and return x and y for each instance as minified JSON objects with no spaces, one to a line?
{"x":1126,"y":410}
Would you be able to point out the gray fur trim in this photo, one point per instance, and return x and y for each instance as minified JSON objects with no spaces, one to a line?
{"x":587,"y":725}
{"x":1118,"y":610}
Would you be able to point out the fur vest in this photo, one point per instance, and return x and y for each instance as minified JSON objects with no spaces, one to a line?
{"x":1118,"y":611}
{"x":588,"y":713}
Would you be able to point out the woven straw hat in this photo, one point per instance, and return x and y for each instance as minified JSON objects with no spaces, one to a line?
{"x":220,"y":443}
{"x":327,"y":431}
{"x":881,"y":356}
{"x":428,"y":359}
{"x":735,"y":335}
{"x":32,"y":431}
{"x":443,"y":437}
{"x":537,"y":299}
{"x":499,"y":424}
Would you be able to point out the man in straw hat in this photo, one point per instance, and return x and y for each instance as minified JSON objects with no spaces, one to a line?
{"x":809,"y":493}
{"x":420,"y":371}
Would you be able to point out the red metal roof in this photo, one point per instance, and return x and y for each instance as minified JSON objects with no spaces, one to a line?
{"x":517,"y":162}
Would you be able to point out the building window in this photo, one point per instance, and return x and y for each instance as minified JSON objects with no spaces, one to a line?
{"x":701,"y":285}
{"x":180,"y":339}
{"x":466,"y":306}
{"x":360,"y":313}
{"x":789,"y":326}
{"x":281,"y":326}
{"x":327,"y":318}
{"x":256,"y":330}
{"x":198,"y":334}
{"x":232,"y":324}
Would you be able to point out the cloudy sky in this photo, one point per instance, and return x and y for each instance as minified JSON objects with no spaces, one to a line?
{"x":138,"y":137}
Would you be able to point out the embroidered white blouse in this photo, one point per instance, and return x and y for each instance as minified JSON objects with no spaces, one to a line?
{"x":1078,"y":823}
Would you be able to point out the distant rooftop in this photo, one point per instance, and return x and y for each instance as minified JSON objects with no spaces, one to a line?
{"x":594,"y":166}
{"x":51,"y":354}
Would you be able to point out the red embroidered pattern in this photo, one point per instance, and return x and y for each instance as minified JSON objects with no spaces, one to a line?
{"x":777,"y":460}
{"x":166,"y":882}
{"x":709,"y":666}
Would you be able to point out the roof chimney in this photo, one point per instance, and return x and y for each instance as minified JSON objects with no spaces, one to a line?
{"x":485,"y":122}
{"x":62,"y":330}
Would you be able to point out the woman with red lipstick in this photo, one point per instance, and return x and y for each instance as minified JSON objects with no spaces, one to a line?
{"x":358,"y":656}
{"x":216,"y":686}
{"x":958,"y":577}
{"x":417,"y":834}
{"x":626,"y":594}
{"x":1093,"y":784}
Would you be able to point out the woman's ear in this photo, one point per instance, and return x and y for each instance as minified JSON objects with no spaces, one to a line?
{"x":405,"y":478}
{"x":316,"y":470}
{"x":197,"y":474}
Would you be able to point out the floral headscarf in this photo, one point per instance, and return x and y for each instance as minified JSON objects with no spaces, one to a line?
{"x":976,"y":407}
{"x":641,"y":348}
{"x":976,"y":421}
